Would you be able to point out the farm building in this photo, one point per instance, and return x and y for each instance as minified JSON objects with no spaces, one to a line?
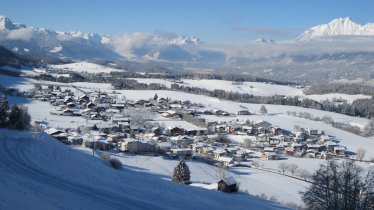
{"x":227,"y":184}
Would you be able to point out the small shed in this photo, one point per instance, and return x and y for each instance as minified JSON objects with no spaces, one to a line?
{"x":227,"y":184}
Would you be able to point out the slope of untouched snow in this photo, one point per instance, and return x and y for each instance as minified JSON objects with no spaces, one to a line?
{"x":82,"y":67}
{"x":38,"y":172}
{"x":333,"y":96}
{"x":40,"y":110}
{"x":23,"y":84}
{"x":255,"y":88}
{"x":93,"y":86}
{"x":233,"y":107}
{"x":256,"y":182}
{"x":148,"y":81}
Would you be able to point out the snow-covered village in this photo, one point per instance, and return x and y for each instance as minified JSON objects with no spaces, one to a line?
{"x":166,"y":121}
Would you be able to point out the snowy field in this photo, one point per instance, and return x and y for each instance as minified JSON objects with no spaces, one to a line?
{"x":38,"y":172}
{"x":82,"y":67}
{"x":255,"y":88}
{"x":40,"y":110}
{"x":332,"y":96}
{"x":255,"y":182}
{"x":233,"y":107}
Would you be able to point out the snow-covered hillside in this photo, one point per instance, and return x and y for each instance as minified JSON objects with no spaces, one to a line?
{"x":38,"y":172}
{"x":255,"y":88}
{"x":82,"y":67}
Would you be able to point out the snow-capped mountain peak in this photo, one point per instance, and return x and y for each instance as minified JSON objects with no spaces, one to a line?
{"x":337,"y":27}
{"x":6,"y":23}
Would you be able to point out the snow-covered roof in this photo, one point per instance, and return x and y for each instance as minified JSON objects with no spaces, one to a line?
{"x":52,"y":131}
{"x":225,"y":159}
{"x":229,"y":180}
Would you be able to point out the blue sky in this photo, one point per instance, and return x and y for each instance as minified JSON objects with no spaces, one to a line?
{"x":213,"y":21}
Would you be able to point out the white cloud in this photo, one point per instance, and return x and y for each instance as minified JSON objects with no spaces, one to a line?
{"x":18,"y":34}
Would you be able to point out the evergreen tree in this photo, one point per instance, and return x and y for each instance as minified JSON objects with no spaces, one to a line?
{"x":369,"y":128}
{"x":263,"y":110}
{"x":3,"y":111}
{"x":181,"y":173}
{"x":155,"y":97}
{"x":15,"y":118}
{"x":18,"y":118}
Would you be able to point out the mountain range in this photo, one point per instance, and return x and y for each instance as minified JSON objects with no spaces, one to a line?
{"x":340,"y":27}
{"x":340,"y":49}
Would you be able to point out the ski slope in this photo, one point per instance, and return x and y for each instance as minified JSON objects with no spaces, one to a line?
{"x":38,"y":172}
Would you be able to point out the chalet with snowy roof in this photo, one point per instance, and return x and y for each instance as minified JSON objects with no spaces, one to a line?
{"x":221,"y":128}
{"x":264,"y":125}
{"x":120,"y":118}
{"x":274,"y":140}
{"x":227,"y":184}
{"x":218,"y":152}
{"x":170,"y":114}
{"x":112,"y":111}
{"x":207,"y":112}
{"x":76,"y":139}
{"x":135,"y":146}
{"x":83,"y":99}
{"x":244,"y":112}
{"x":226,"y":161}
{"x":70,"y":105}
{"x":67,"y":112}
{"x":312,"y":132}
{"x":296,"y":147}
{"x":299,"y":137}
{"x":58,"y":134}
{"x":174,"y":131}
{"x":184,"y":152}
{"x":206,"y":150}
{"x":182,"y":140}
{"x":340,"y":150}
{"x":68,"y":99}
{"x":324,"y":138}
{"x":221,"y":113}
{"x":330,"y":146}
{"x":276,"y":131}
{"x":263,"y":137}
{"x":270,"y":156}
{"x":91,"y":105}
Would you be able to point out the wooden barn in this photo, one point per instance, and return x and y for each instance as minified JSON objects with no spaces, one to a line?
{"x":227,"y":184}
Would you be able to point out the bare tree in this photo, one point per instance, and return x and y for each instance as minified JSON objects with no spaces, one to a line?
{"x":255,"y":164}
{"x":340,"y":186}
{"x":327,"y":119}
{"x":361,"y":152}
{"x":369,"y":128}
{"x":138,"y":115}
{"x":247,"y":143}
{"x":304,"y":174}
{"x":283,"y":167}
{"x":221,"y":171}
{"x":292,"y":168}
